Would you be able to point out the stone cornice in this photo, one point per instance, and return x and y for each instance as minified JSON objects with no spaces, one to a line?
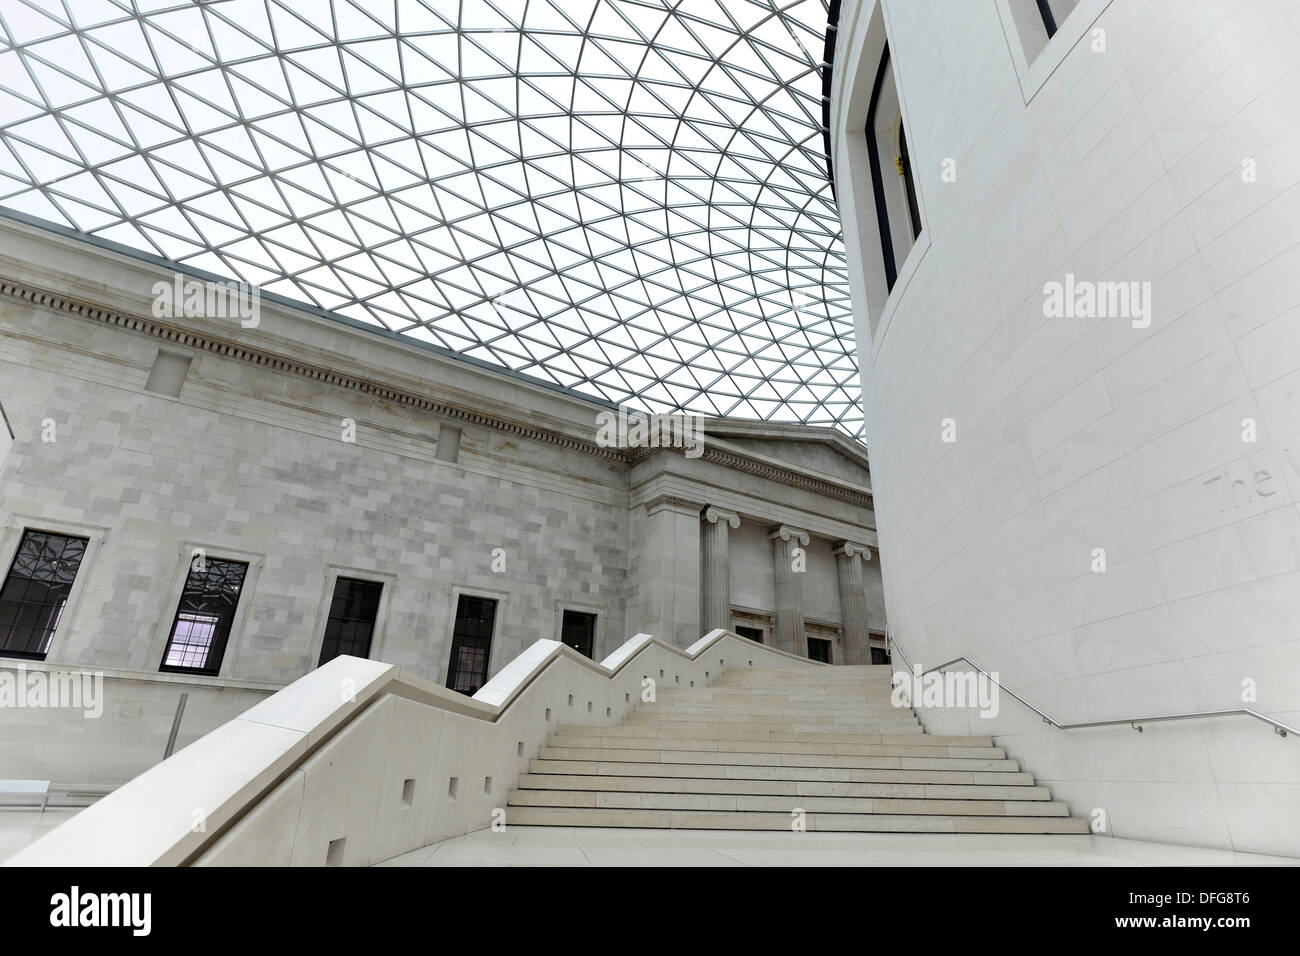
{"x":788,"y":476}
{"x":674,"y":503}
{"x":265,"y":358}
{"x":735,"y":458}
{"x":740,"y":428}
{"x":730,"y":456}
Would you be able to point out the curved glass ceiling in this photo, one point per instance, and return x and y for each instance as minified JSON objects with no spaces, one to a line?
{"x":626,"y":197}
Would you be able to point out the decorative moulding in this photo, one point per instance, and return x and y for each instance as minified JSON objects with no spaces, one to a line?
{"x":673,"y":503}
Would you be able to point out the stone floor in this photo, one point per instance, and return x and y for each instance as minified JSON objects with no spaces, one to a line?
{"x":574,"y":846}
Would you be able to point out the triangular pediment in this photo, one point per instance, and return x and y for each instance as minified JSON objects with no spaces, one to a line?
{"x":820,"y":451}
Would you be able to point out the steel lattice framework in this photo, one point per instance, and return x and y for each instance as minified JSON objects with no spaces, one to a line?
{"x":625,"y":197}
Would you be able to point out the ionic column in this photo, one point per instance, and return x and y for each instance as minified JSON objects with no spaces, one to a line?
{"x":789,"y":565}
{"x":715,"y":585}
{"x":853,"y":601}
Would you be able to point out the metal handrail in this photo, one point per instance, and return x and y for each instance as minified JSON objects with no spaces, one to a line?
{"x":1136,"y":723}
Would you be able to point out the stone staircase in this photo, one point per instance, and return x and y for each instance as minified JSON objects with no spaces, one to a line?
{"x":761,"y":743}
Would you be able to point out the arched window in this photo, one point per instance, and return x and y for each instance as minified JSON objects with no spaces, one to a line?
{"x":897,"y":212}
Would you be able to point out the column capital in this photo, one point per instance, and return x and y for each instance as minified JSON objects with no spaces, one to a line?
{"x":786,"y":533}
{"x":850,"y":549}
{"x":713,"y":515}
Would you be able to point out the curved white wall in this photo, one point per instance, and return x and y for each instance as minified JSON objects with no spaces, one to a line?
{"x":1128,"y":163}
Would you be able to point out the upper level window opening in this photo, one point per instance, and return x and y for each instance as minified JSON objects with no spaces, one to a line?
{"x":1031,"y":28}
{"x":351,"y":622}
{"x":898,"y":214}
{"x":204,"y":616}
{"x":471,"y":643}
{"x":819,"y":649}
{"x":578,"y":630}
{"x":1054,"y":13}
{"x":35,"y":592}
{"x":1035,"y":22}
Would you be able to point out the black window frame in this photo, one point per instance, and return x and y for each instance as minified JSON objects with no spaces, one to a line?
{"x":463,"y":641}
{"x":878,"y":177}
{"x":909,"y":184}
{"x":355,"y":612}
{"x":1049,"y":18}
{"x":51,"y":612}
{"x":222,"y":619}
{"x":754,"y":633}
{"x":566,"y":630}
{"x":820,"y":641}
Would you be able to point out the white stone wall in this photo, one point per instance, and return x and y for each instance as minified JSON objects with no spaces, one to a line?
{"x":1130,"y":162}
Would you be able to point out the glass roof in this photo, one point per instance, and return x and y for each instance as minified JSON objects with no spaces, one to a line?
{"x":628,"y":198}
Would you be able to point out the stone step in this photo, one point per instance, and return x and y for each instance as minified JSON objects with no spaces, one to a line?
{"x":780,"y":713}
{"x":838,"y":672}
{"x":922,"y":746}
{"x":964,"y":775}
{"x":797,"y":689}
{"x":773,"y":705}
{"x":740,"y":731}
{"x":781,"y":677}
{"x":810,"y":788}
{"x":651,"y":712}
{"x":762,"y":749}
{"x":872,"y":701}
{"x":801,"y":727}
{"x":756,"y":820}
{"x":791,"y":685}
{"x":633,"y":800}
{"x":954,"y":760}
{"x":771,"y":702}
{"x":760,"y":692}
{"x":691,"y":728}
